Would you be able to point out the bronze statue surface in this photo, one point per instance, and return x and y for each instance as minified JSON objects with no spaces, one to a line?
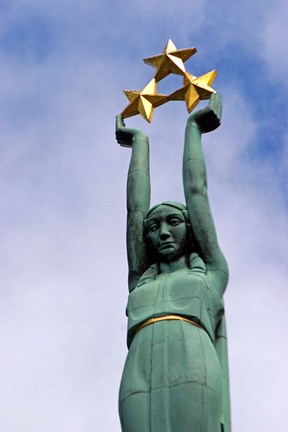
{"x":176,"y":372}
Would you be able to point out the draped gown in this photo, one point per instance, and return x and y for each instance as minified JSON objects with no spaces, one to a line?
{"x":173,"y":379}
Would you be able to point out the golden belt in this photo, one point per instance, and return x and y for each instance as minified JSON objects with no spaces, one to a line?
{"x":167,"y":318}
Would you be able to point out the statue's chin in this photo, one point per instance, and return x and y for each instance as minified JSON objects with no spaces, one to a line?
{"x":168,"y":256}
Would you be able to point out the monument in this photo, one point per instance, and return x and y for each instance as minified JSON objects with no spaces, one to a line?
{"x":175,"y":377}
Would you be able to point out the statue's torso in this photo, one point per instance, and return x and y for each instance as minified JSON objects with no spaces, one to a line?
{"x":184,"y":292}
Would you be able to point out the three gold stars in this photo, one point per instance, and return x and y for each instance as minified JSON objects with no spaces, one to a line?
{"x":169,"y":61}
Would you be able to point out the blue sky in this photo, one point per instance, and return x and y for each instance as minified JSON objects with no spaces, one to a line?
{"x":63,"y":66}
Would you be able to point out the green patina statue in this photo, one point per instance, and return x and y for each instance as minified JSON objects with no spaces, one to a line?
{"x":176,"y":373}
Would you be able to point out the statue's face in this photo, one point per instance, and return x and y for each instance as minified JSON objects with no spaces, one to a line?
{"x":167,"y":233}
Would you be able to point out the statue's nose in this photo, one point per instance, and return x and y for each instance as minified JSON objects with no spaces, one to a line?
{"x":164,"y":232}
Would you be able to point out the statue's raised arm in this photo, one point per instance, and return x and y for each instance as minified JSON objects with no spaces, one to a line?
{"x":138,"y":198}
{"x":195,"y":188}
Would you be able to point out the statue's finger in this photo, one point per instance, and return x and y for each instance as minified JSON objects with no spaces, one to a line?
{"x":211,"y":104}
{"x":212,"y":99}
{"x":119,"y":122}
{"x":218,"y":106}
{"x":215,"y":102}
{"x":120,"y":139}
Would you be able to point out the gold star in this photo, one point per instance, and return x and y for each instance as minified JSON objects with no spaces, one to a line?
{"x":171,"y":60}
{"x":144,"y":101}
{"x":194,"y":89}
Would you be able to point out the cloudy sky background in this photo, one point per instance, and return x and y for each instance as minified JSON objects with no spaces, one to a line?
{"x":63,"y":66}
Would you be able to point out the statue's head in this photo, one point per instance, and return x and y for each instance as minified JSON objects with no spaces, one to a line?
{"x":167,"y":231}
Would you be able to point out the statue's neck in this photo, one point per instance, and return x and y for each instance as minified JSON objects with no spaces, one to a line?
{"x":172,"y":266}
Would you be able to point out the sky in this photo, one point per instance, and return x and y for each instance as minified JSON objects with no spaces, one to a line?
{"x":63,"y":291}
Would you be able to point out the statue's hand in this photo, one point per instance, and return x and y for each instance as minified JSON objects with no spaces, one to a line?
{"x":125,"y":136}
{"x":208,"y":118}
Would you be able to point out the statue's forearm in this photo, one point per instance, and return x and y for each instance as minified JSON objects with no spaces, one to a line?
{"x":138,"y":184}
{"x":194,"y":167}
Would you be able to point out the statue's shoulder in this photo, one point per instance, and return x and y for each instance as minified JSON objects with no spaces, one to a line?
{"x":148,"y":276}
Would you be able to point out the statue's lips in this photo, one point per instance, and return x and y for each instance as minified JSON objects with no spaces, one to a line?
{"x":166,"y":245}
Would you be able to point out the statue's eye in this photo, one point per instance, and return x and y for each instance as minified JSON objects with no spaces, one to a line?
{"x":175,"y":221}
{"x":153,"y":227}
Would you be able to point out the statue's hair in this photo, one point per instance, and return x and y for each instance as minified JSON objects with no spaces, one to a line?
{"x":174,"y":204}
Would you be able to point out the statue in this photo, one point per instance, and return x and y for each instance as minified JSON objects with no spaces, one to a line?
{"x":176,"y":373}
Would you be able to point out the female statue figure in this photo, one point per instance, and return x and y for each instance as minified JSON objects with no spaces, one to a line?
{"x":175,"y":377}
